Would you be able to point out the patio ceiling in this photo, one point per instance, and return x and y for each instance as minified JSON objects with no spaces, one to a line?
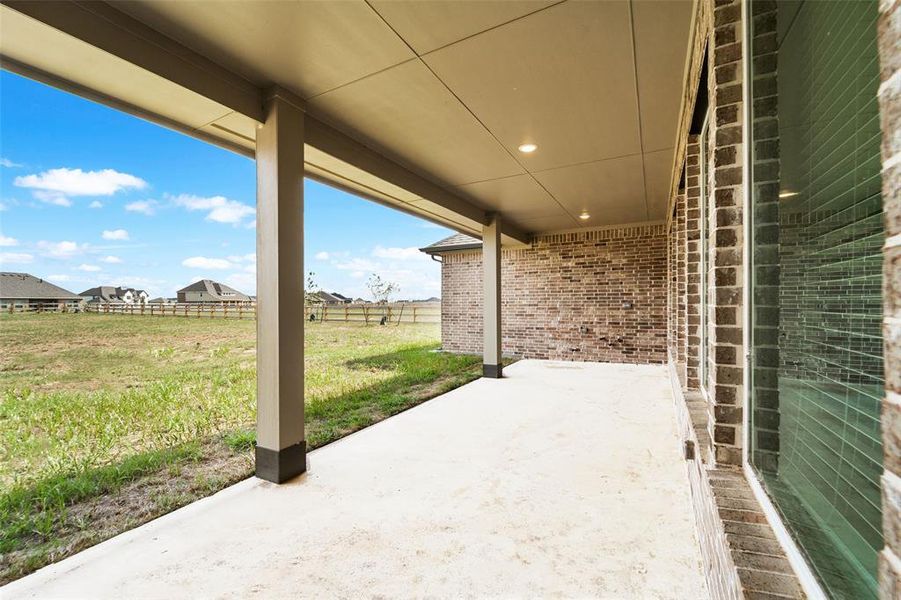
{"x":420,"y":105}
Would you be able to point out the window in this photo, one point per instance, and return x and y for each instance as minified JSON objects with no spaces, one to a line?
{"x":816,"y":277}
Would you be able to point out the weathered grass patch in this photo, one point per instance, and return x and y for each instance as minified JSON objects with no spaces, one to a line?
{"x":100,"y":412}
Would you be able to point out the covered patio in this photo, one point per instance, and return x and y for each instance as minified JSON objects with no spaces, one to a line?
{"x":563,"y":479}
{"x":619,"y":163}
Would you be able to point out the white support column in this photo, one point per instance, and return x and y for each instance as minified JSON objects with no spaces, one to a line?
{"x":281,"y":446}
{"x":492,"y":365}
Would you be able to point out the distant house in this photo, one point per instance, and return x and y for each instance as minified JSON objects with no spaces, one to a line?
{"x":161,"y":300}
{"x":21,"y":291}
{"x":207,"y":290}
{"x":333,"y":298}
{"x":107,"y":294}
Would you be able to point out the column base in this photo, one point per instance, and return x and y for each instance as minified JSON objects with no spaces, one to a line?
{"x":492,"y":371}
{"x":279,"y":466}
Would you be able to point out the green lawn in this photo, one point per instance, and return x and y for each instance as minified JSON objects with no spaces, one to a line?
{"x":101,"y":412}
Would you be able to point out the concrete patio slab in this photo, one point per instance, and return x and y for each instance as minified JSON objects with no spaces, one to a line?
{"x":562,"y":479}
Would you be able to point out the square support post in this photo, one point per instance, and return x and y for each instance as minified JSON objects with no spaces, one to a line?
{"x":281,"y":445}
{"x":492,"y":364}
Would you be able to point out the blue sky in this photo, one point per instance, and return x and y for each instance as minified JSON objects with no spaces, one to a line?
{"x":91,"y":196}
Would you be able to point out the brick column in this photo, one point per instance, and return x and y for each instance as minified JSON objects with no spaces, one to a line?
{"x":676,"y":287}
{"x":681,"y":289}
{"x":726,"y":374}
{"x":693,"y":261}
{"x":766,"y":232}
{"x":890,"y":116}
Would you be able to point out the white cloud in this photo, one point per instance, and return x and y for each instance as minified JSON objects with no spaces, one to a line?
{"x":115,"y":234}
{"x":202,"y":262}
{"x":322,"y":256}
{"x":356,"y":264}
{"x":96,"y":204}
{"x":112,"y":260}
{"x":144,"y":207}
{"x":64,"y":249}
{"x":15,"y":258}
{"x":53,"y":198}
{"x":8,"y":241}
{"x":88,"y":268}
{"x":252,"y":224}
{"x":57,"y":186}
{"x":417,"y":276}
{"x":251,"y":258}
{"x":411,"y":253}
{"x":61,"y":278}
{"x":243,"y":282}
{"x":219,"y":208}
{"x":5,"y":162}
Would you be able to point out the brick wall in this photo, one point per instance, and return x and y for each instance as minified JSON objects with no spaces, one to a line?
{"x":693,"y":263}
{"x":597,"y":295}
{"x":889,"y":33}
{"x":725,"y":333}
{"x":676,"y":289}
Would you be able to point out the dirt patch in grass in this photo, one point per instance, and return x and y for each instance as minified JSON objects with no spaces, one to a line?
{"x":98,"y":505}
{"x":204,"y":470}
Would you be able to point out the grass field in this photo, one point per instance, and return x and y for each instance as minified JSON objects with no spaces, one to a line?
{"x":107,"y":421}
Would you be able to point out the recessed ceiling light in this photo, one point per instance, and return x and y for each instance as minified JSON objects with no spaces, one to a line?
{"x":528,"y":148}
{"x":584,"y":216}
{"x":787,"y":194}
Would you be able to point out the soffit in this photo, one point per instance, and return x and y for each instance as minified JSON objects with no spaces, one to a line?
{"x":562,"y":78}
{"x":406,"y":113}
{"x":600,"y":102}
{"x":307,"y":47}
{"x":41,"y":47}
{"x":519,"y":197}
{"x":586,"y":81}
{"x":612,"y":190}
{"x":427,"y":26}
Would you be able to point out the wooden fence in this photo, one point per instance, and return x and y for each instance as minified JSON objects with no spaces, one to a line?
{"x":190,"y":310}
{"x":397,"y":312}
{"x":40,"y":307}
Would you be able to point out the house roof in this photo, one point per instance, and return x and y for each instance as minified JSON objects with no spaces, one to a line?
{"x":458,"y":241}
{"x":215,"y":289}
{"x":326,"y":297}
{"x":26,"y":286}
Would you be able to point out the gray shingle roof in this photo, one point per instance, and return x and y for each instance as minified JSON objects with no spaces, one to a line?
{"x":25,"y":286}
{"x":458,"y":241}
{"x":216,"y":289}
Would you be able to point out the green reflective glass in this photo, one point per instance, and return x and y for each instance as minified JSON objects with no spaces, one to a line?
{"x":816,"y":279}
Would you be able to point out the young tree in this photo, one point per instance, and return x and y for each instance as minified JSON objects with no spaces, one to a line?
{"x":380,"y":289}
{"x":311,"y":290}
